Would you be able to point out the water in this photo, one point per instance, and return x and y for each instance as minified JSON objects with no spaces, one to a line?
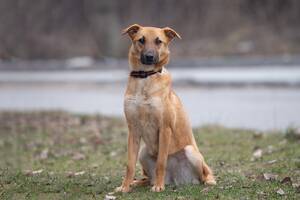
{"x":257,"y":97}
{"x":233,"y":76}
{"x":256,"y":108}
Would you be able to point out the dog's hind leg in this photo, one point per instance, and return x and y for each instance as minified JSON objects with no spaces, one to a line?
{"x":146,"y":161}
{"x":197,"y":160}
{"x":148,"y":165}
{"x":142,"y":182}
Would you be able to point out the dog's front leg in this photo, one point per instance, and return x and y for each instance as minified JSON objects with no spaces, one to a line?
{"x":132,"y":151}
{"x":163,"y":149}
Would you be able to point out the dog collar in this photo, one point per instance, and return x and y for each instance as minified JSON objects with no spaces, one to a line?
{"x":143,"y":74}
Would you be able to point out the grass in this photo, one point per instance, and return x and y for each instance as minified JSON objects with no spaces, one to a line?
{"x":56,"y":155}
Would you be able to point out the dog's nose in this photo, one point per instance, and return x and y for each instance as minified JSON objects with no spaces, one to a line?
{"x":149,"y":58}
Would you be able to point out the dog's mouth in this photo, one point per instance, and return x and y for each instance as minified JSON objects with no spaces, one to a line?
{"x":149,"y":59}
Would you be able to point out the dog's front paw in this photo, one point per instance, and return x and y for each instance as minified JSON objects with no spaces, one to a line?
{"x":122,"y":189}
{"x":157,"y":188}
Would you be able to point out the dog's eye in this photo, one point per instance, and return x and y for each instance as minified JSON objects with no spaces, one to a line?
{"x":158,"y":41}
{"x":142,"y":40}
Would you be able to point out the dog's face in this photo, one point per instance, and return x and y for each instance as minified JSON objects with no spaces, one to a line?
{"x":150,"y":45}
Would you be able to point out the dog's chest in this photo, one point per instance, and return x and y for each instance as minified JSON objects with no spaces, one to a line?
{"x":143,"y":112}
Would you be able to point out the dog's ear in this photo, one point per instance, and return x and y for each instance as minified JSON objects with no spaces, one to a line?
{"x":170,"y":33}
{"x":131,"y":30}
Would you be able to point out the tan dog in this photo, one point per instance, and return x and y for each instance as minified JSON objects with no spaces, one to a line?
{"x":155,"y":114}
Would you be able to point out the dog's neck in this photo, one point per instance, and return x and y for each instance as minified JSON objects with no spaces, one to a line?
{"x":143,"y":71}
{"x":141,"y":67}
{"x":147,"y":86}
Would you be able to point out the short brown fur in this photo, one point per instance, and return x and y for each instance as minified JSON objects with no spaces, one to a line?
{"x":154,"y":113}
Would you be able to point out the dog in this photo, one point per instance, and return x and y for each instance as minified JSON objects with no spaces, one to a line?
{"x":155,"y":115}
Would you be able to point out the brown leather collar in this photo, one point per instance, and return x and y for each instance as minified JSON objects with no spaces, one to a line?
{"x":143,"y":74}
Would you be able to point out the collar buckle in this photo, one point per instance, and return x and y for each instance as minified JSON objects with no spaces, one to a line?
{"x":143,"y":74}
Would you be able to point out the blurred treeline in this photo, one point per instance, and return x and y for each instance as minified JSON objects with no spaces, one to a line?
{"x":43,"y":29}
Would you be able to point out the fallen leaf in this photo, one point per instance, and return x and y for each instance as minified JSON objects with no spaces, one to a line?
{"x":44,"y":154}
{"x":110,"y":197}
{"x":280,"y":191}
{"x":286,"y":180}
{"x":70,"y":174}
{"x":113,"y":153}
{"x":106,"y":178}
{"x":296,"y":186}
{"x":79,"y":173}
{"x":73,"y":174}
{"x":272,"y":161}
{"x":31,"y":173}
{"x":228,"y":186}
{"x":270,"y":177}
{"x":260,"y":193}
{"x":257,"y":154}
{"x":37,"y":171}
{"x":95,"y":166}
{"x":78,"y":156}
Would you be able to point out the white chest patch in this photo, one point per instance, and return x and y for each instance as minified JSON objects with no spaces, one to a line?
{"x":141,"y":98}
{"x":144,"y":113}
{"x":134,"y":103}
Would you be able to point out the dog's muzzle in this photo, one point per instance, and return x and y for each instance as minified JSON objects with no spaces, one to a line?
{"x":149,"y":58}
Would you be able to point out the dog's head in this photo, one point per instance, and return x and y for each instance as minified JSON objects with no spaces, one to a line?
{"x":149,"y":45}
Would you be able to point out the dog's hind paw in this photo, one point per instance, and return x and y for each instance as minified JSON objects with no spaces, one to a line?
{"x":156,"y":188}
{"x":210,"y":182}
{"x":141,"y":182}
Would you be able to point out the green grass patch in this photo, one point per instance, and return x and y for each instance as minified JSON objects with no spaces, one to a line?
{"x":56,"y":155}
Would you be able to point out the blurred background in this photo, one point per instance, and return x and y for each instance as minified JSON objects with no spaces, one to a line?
{"x":238,"y":63}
